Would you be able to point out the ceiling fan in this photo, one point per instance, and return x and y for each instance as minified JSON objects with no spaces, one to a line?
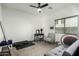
{"x":39,"y":6}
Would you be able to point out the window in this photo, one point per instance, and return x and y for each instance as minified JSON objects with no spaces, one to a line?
{"x":67,"y":25}
{"x":59,"y":26}
{"x":71,"y":25}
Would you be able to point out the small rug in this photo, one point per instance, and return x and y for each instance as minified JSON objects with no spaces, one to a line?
{"x":24,"y":46}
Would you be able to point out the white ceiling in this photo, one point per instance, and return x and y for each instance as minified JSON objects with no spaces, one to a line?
{"x":25,"y":7}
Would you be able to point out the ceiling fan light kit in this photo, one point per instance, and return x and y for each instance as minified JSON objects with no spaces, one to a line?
{"x":39,"y":10}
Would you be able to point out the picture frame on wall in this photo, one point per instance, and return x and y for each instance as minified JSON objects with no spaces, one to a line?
{"x":51,"y":27}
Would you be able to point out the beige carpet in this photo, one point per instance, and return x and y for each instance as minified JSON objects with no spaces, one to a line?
{"x":39,"y":49}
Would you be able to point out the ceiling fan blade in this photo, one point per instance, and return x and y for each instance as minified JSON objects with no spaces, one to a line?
{"x":33,"y":6}
{"x":44,"y":5}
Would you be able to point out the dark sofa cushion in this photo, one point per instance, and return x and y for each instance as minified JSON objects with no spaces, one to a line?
{"x":3,"y":43}
{"x":9,"y":41}
{"x":77,"y":52}
{"x":66,"y":54}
